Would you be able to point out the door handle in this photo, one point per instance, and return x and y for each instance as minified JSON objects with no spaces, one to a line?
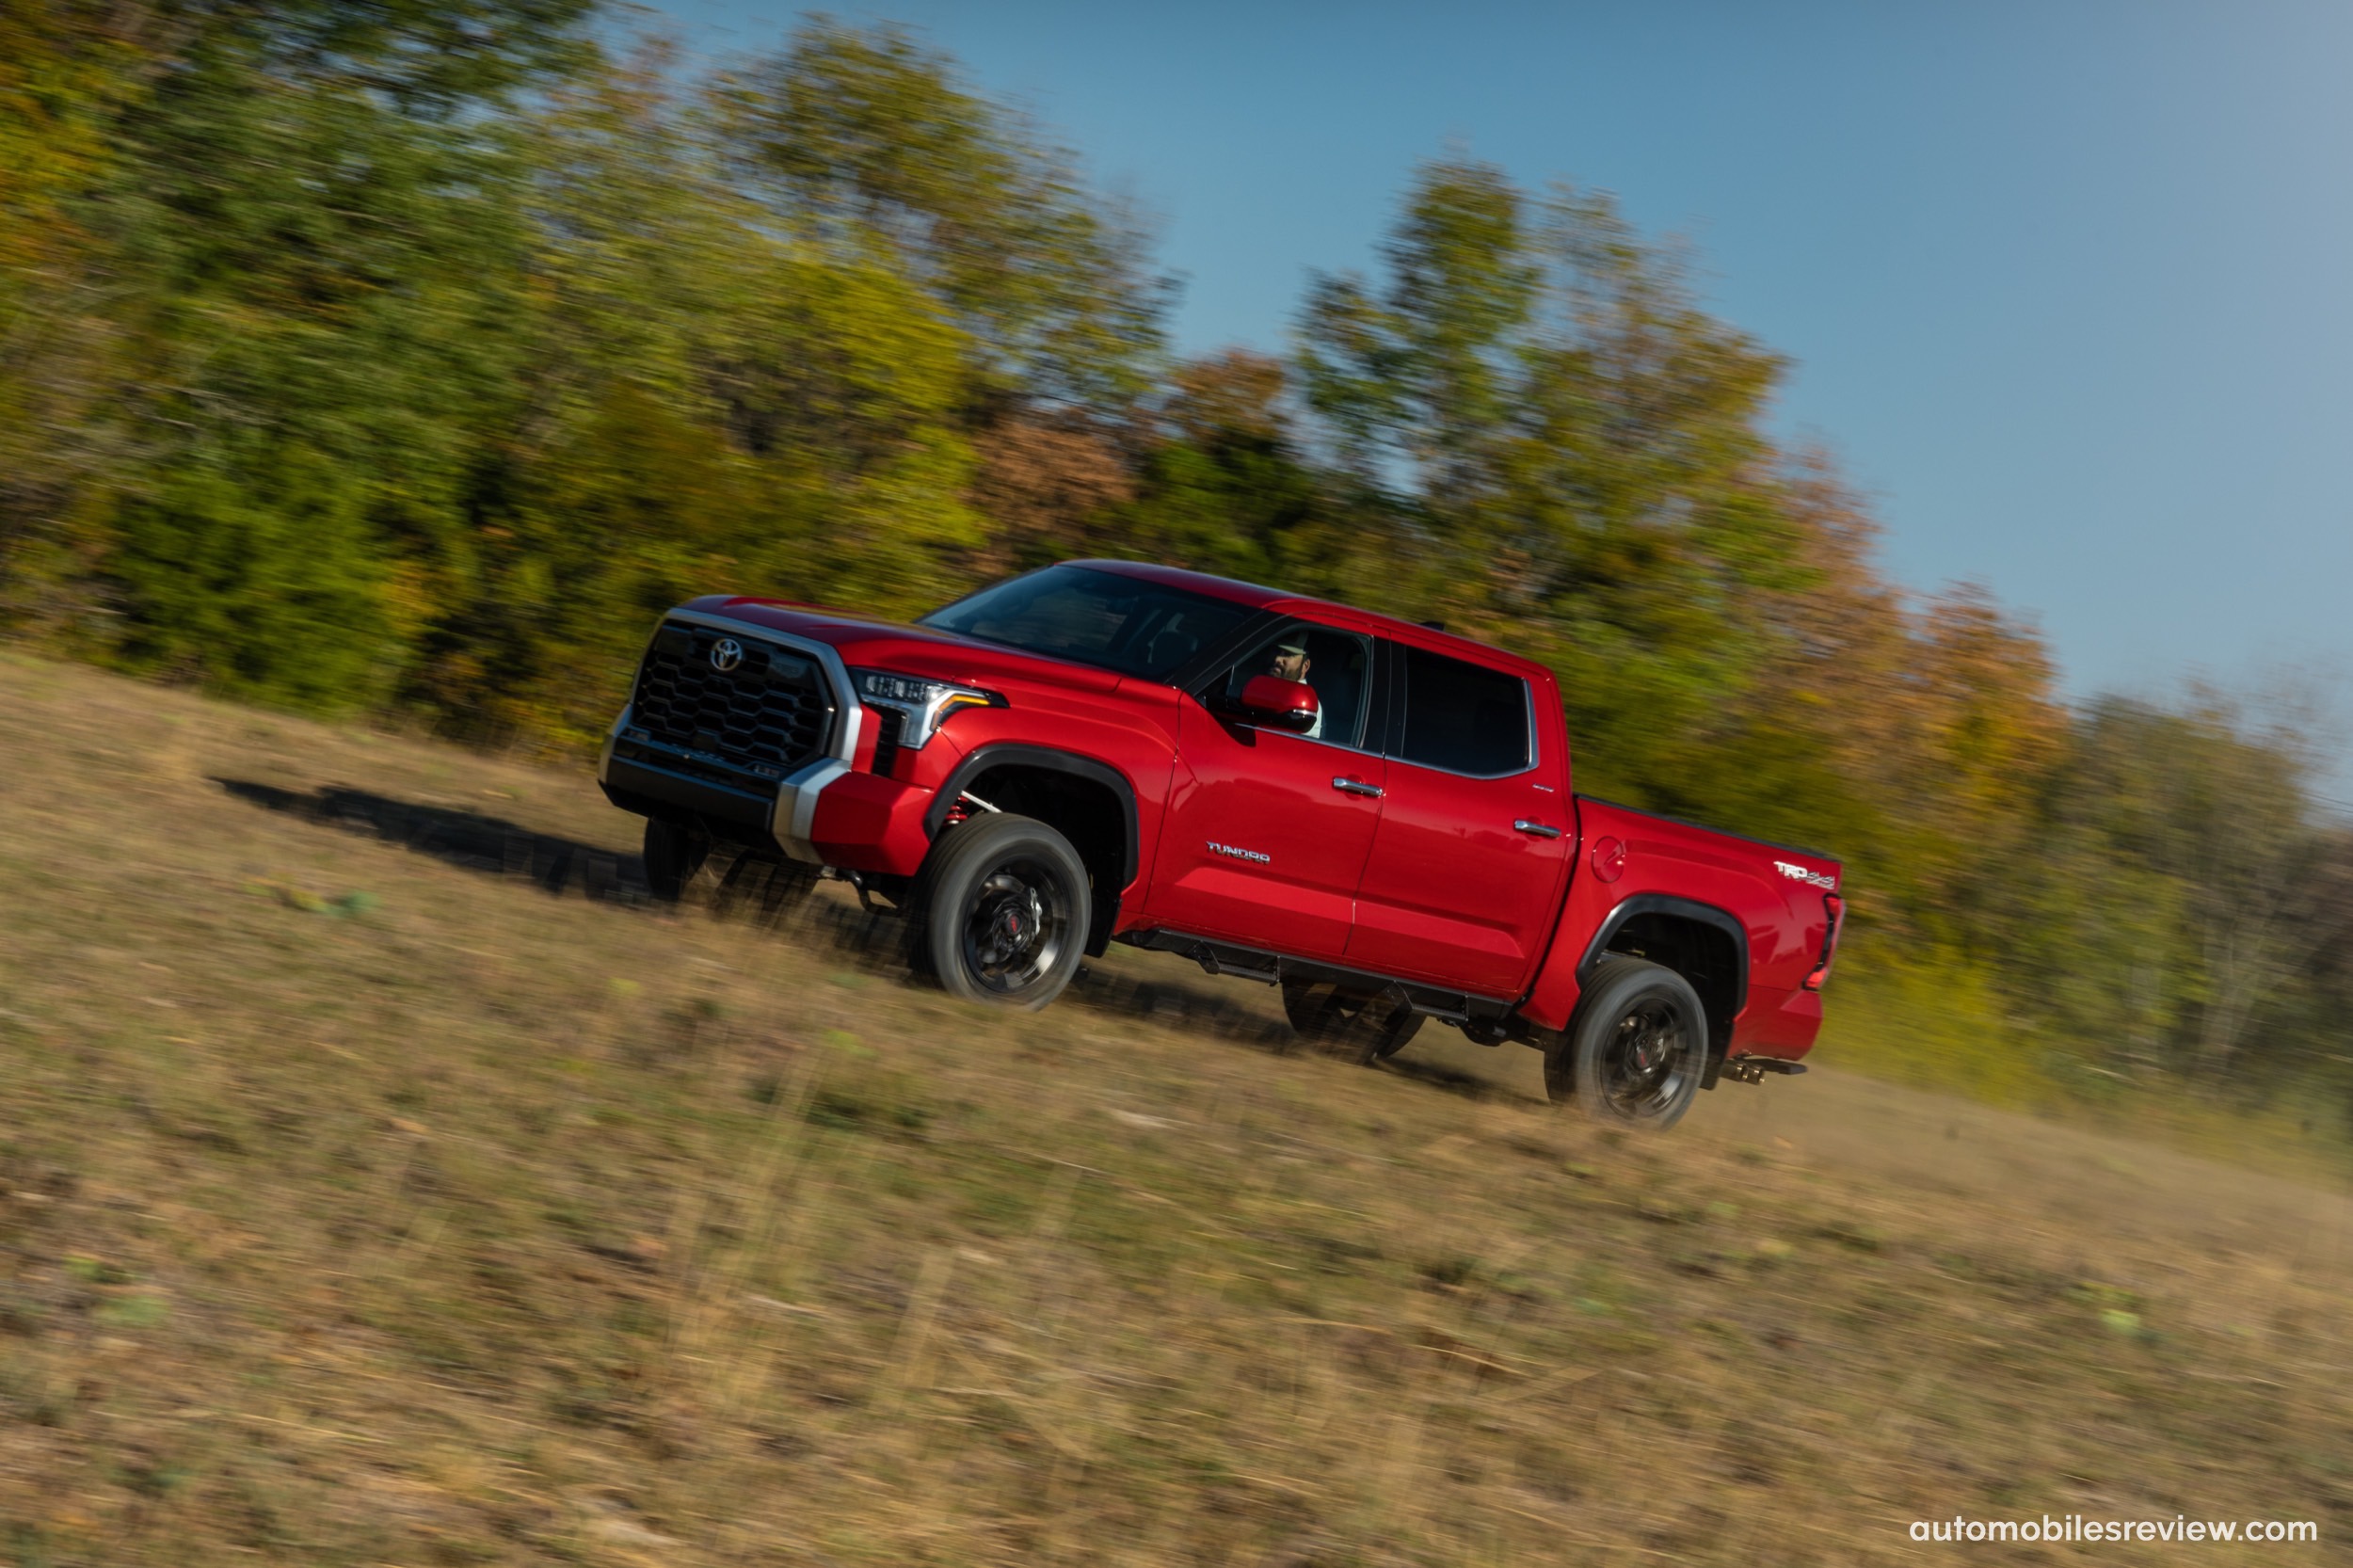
{"x":1539,"y":829}
{"x":1357,"y":786}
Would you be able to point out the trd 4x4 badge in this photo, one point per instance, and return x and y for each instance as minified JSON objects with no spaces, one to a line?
{"x":1231,"y":853}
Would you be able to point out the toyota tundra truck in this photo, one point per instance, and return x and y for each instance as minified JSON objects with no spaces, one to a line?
{"x":1374,"y":816}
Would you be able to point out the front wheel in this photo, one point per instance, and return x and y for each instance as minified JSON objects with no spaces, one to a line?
{"x":1636,"y":1052}
{"x":1006,"y":919}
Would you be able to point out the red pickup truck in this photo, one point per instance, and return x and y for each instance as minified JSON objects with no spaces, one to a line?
{"x":1374,"y":815}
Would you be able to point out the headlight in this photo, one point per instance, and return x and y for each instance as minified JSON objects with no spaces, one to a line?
{"x":925,"y":702}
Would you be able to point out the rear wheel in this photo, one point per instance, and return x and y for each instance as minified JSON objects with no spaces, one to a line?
{"x":1366,"y":1027}
{"x":673,"y":856}
{"x":1636,"y":1052}
{"x":1006,"y":917}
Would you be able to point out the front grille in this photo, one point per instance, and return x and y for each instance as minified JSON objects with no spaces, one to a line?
{"x":769,"y":715}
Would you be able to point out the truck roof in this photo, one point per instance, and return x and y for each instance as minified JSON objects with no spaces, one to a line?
{"x":1261,"y":597}
{"x":1228,"y":588}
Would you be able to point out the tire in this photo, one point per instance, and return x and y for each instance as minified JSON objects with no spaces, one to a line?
{"x":673,"y":856}
{"x":1634,"y":1054}
{"x":1005,"y":918}
{"x":1365,"y":1028}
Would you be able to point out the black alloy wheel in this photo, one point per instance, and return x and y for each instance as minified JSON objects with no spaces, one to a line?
{"x":1637,"y":1050}
{"x":1364,"y":1026}
{"x":1006,"y":915}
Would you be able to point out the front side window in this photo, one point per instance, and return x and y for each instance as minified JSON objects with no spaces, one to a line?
{"x":1103,"y":618}
{"x":1339,"y":664}
{"x":1462,"y":717}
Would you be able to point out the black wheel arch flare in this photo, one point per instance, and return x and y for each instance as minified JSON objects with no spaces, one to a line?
{"x":1015,"y":754}
{"x":1682,"y":908}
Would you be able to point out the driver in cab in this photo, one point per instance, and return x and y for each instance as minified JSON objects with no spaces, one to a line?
{"x":1291,"y":663}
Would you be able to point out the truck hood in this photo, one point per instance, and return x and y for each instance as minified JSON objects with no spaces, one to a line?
{"x":906,"y":649}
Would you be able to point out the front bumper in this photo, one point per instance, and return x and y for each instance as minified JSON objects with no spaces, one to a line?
{"x":636,"y":782}
{"x":649,"y":766}
{"x":644,"y":775}
{"x":823,"y":813}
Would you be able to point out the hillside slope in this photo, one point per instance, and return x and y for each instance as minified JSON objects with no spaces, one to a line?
{"x":386,"y":1182}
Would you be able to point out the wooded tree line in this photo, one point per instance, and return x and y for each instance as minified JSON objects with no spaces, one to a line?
{"x":410,"y":356}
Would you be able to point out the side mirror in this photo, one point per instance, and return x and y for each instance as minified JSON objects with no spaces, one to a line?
{"x":1279,"y":704}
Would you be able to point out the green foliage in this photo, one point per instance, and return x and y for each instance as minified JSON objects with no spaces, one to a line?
{"x":863,"y":140}
{"x":321,"y":340}
{"x":2178,"y":903}
{"x":432,"y":59}
{"x":1225,"y":486}
{"x":707,"y":399}
{"x":67,"y":67}
{"x":1572,"y":453}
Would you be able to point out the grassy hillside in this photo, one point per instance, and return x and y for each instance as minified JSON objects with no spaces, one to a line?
{"x":384,"y":1182}
{"x":1945,"y":1029}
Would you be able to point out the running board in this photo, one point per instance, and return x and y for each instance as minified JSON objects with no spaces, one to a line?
{"x":1238,"y":962}
{"x":1270,"y":969}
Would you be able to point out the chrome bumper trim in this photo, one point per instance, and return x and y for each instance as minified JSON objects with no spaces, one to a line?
{"x":795,"y":816}
{"x":604,"y":752}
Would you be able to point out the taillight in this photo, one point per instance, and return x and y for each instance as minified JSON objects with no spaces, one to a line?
{"x":1835,"y":912}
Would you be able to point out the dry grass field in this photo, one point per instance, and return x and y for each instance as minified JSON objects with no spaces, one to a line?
{"x":383,"y":1181}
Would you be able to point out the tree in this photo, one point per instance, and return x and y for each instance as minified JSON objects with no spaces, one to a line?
{"x":1225,"y":486}
{"x":1570,"y":448}
{"x":2233,"y":819}
{"x":66,"y":70}
{"x":703,"y":401}
{"x":319,"y":293}
{"x":1433,"y":374}
{"x":429,"y":60}
{"x":866,"y":141}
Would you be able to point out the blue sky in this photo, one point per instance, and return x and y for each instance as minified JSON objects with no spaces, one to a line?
{"x":2067,"y":287}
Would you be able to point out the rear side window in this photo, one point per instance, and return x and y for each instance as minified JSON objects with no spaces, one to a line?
{"x":1462,"y":717}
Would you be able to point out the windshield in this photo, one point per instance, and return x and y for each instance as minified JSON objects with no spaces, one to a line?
{"x":1094,"y":618}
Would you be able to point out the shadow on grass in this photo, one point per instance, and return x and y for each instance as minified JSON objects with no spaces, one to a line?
{"x":468,"y":840}
{"x":743,"y":887}
{"x":1211,"y":1007}
{"x":1438,"y":1076}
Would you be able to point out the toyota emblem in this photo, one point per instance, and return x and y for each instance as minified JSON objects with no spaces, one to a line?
{"x":725,"y":654}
